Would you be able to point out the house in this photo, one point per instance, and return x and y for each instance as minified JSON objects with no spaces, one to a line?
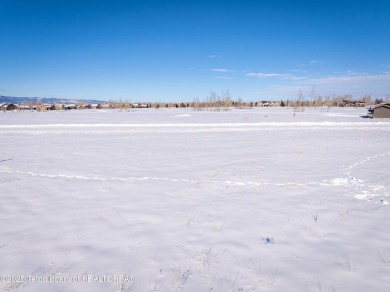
{"x":265,"y":103}
{"x":141,"y":105}
{"x":57,"y":106}
{"x":379,"y":111}
{"x":11,"y":107}
{"x":103,"y":106}
{"x":91,"y":105}
{"x":70,"y":106}
{"x":352,"y":103}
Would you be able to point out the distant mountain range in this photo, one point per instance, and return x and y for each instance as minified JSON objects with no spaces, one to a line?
{"x":51,"y":100}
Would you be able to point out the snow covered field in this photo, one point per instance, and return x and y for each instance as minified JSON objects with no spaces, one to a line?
{"x":177,"y":200}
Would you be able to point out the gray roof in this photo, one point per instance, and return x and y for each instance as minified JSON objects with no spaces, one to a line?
{"x":386,"y":105}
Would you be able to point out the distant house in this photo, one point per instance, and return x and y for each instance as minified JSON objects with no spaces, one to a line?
{"x":140,"y":105}
{"x":102,"y":106}
{"x":352,"y":103}
{"x":11,"y":107}
{"x":57,"y":106}
{"x":380,"y":111}
{"x":47,"y":106}
{"x":265,"y":103}
{"x":70,"y":106}
{"x":91,"y":105}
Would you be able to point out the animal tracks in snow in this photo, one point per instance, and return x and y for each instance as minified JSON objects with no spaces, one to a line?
{"x":334,"y":182}
{"x":361,"y":189}
{"x":348,"y":170}
{"x":147,"y":178}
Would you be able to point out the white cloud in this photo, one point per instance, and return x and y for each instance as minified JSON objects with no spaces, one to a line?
{"x":262,"y":75}
{"x":349,"y":82}
{"x":348,"y":78}
{"x":358,"y":85}
{"x":311,"y":63}
{"x":286,"y":91}
{"x":296,"y":78}
{"x":277,"y":75}
{"x":220,"y":70}
{"x":222,"y":77}
{"x":350,"y":72}
{"x":353,"y":79}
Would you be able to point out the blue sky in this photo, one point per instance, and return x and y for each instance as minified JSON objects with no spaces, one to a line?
{"x":179,"y":50}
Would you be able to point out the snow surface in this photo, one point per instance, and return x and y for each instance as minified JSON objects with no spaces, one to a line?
{"x":179,"y":200}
